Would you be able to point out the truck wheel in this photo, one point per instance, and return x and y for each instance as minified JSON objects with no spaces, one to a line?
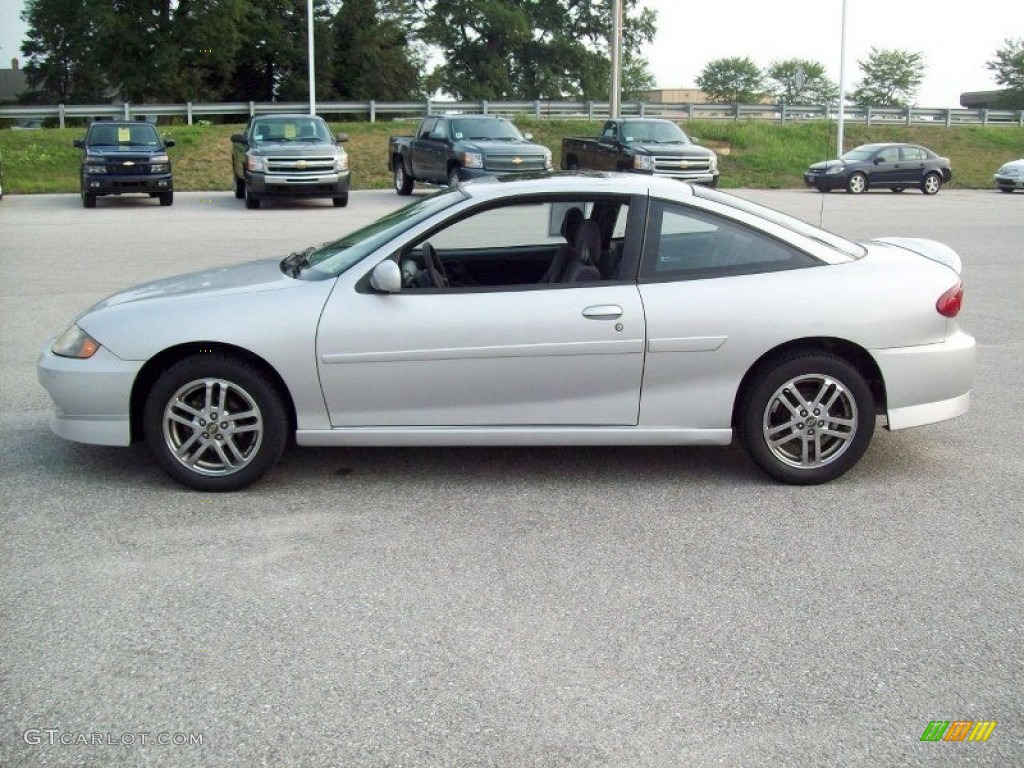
{"x":453,"y":176}
{"x":571,"y":164}
{"x":403,"y":183}
{"x":251,"y":201}
{"x":340,"y":202}
{"x":88,"y":200}
{"x":167,"y":198}
{"x":239,"y":188}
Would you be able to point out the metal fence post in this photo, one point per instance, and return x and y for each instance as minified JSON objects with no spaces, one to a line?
{"x":60,"y":115}
{"x":949,"y":117}
{"x":910,"y":114}
{"x":252,"y":109}
{"x":782,"y":112}
{"x":188,"y":112}
{"x":126,"y":111}
{"x":373,"y":111}
{"x":590,"y":110}
{"x":429,"y":109}
{"x":984,"y":117}
{"x":536,"y":109}
{"x":483,"y":107}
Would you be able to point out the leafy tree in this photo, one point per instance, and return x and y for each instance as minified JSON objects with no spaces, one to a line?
{"x":732,"y":80}
{"x":373,"y":56}
{"x":506,"y":49}
{"x":60,"y":44}
{"x":891,"y":78}
{"x":1009,"y":68}
{"x":815,"y":89}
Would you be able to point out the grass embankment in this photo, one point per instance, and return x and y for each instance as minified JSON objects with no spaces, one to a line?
{"x":752,"y":154}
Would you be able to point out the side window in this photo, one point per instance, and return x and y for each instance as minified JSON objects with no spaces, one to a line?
{"x":440,"y":130}
{"x":687,"y":244}
{"x":913,"y":154}
{"x":609,"y":132}
{"x":426,"y":127}
{"x":889,"y":155}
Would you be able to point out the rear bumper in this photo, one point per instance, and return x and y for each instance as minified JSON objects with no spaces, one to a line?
{"x":929,"y":383}
{"x":322,"y":185}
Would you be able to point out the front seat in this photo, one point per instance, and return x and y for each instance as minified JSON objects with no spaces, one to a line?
{"x":583,"y":266}
{"x":571,"y":222}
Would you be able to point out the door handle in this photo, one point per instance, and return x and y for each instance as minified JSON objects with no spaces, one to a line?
{"x":603,"y":312}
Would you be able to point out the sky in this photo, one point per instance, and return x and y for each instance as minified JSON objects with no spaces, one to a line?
{"x":955,"y":38}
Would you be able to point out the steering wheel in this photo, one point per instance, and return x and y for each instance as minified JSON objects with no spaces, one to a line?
{"x":434,"y":266}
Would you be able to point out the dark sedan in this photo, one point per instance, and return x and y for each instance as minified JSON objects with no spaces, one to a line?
{"x":892,"y":166}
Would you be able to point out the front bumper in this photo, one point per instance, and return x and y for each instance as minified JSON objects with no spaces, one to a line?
{"x":825,"y":181}
{"x":283,"y":185}
{"x":929,"y":383}
{"x":91,"y":397}
{"x":1008,"y":182}
{"x":468,"y":174}
{"x":117,"y":184}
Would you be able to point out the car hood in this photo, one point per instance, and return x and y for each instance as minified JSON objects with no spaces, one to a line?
{"x":525,"y":148}
{"x":826,"y":164}
{"x":292,"y":148}
{"x":674,"y":150}
{"x":125,"y":149}
{"x":262,"y":275}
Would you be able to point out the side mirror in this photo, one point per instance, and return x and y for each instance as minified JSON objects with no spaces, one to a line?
{"x":238,"y":138}
{"x":341,"y":138}
{"x":528,"y":136}
{"x":879,"y":160}
{"x":168,"y":142}
{"x":80,"y":143}
{"x":386,"y":277}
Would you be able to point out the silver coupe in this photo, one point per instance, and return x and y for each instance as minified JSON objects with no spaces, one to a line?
{"x":568,"y":309}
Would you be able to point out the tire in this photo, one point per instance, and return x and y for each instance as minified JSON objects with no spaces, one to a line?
{"x":571,"y":164}
{"x":88,"y":200}
{"x":403,"y":182}
{"x":857,"y":184}
{"x":931,"y":184}
{"x":340,"y":202}
{"x":167,"y":198}
{"x":453,"y":176}
{"x":223,"y":418}
{"x":239,"y":188}
{"x":774,"y":410}
{"x":252,"y":202}
{"x":897,"y":190}
{"x":1001,"y":189}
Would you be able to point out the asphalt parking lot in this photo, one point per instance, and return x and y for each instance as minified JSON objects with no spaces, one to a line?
{"x":503,"y":607}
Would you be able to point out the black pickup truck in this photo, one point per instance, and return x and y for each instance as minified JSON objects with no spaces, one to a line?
{"x":289,"y":156}
{"x":450,"y":148}
{"x":643,"y":145}
{"x":124,"y":157}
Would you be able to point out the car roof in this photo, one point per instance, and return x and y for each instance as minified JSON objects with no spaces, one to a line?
{"x":577,"y":182}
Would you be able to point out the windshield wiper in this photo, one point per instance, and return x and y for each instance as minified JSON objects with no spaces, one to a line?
{"x":294,"y":263}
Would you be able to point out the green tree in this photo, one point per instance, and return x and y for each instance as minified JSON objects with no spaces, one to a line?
{"x":891,"y":78}
{"x":373,"y":55}
{"x":732,"y":80}
{"x":1009,"y":68}
{"x":60,"y":49}
{"x":506,"y":49}
{"x":785,"y":83}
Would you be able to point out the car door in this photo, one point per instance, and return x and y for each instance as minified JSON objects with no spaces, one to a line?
{"x":913,"y":162}
{"x":885,"y":170}
{"x":424,"y":151}
{"x":483,"y":355}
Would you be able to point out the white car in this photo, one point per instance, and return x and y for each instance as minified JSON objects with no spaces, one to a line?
{"x":569,"y":309}
{"x":1010,"y":176}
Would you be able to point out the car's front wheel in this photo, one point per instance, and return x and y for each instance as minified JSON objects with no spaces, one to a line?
{"x":807,"y":418}
{"x":215,"y":423}
{"x":239,"y":188}
{"x":857,"y":184}
{"x":931,"y":184}
{"x":252,"y":201}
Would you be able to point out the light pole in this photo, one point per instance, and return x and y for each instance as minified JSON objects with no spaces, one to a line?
{"x":312,"y":69}
{"x":613,"y":101}
{"x":842,"y":83}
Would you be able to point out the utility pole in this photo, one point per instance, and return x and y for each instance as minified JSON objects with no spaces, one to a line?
{"x":312,"y":68}
{"x":613,"y":101}
{"x":842,"y":85}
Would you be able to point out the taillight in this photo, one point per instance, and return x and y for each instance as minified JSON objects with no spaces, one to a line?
{"x":950,"y":302}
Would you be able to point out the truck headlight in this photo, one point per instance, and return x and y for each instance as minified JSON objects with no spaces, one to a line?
{"x":547,"y":160}
{"x":92,"y":170}
{"x":472,"y":160}
{"x":159,"y":164}
{"x":75,"y":342}
{"x":255,"y":164}
{"x":643,"y":162}
{"x":341,"y":161}
{"x":713,"y":165}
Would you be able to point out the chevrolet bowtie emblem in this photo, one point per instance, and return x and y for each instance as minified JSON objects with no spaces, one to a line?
{"x":128,"y":162}
{"x":517,"y":161}
{"x":300,"y":164}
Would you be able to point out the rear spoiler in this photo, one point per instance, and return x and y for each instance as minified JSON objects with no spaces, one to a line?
{"x":930,"y":249}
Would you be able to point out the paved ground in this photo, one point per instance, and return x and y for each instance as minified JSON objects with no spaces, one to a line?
{"x":502,"y":607}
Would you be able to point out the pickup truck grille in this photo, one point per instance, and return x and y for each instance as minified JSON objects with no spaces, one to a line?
{"x":511,"y":163}
{"x":681,"y":167}
{"x":128,"y":166}
{"x":301,"y":166}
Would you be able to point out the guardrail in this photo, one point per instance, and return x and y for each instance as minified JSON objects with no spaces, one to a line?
{"x":540,"y":109}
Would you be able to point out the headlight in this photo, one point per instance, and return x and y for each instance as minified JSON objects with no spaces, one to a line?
{"x":836,"y":169}
{"x":472,"y":160}
{"x":547,"y":160}
{"x":643,"y":162}
{"x":94,"y":169}
{"x":714,"y":163}
{"x":341,"y":161}
{"x":257,"y":164}
{"x":159,"y":168}
{"x":75,"y":342}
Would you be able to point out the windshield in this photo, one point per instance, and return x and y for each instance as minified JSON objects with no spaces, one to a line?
{"x":142,"y":134}
{"x":331,"y":259}
{"x":652,"y":132}
{"x":485,"y":128}
{"x":858,"y":154}
{"x":791,"y":223}
{"x":290,"y":129}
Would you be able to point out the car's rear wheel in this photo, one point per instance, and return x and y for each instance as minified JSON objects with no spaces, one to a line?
{"x":215,"y":423}
{"x":403,"y":182}
{"x":239,"y":188}
{"x":857,"y":184}
{"x":807,"y":418}
{"x":931,"y":184}
{"x":251,"y":200}
{"x":88,"y":200}
{"x":167,"y":198}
